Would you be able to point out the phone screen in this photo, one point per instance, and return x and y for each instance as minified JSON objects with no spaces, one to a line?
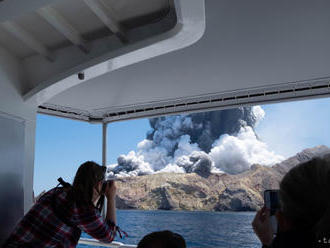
{"x":272,"y":202}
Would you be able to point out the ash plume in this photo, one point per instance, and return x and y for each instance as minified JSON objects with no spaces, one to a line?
{"x":217,"y":141}
{"x":203,"y":128}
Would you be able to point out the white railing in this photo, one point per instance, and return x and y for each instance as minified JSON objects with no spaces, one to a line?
{"x":113,"y":244}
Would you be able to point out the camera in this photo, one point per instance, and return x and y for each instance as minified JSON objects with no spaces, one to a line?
{"x":104,"y":185}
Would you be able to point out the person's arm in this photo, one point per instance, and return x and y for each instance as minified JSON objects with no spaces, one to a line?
{"x":89,"y":219}
{"x":110,"y":193}
{"x":91,"y":222}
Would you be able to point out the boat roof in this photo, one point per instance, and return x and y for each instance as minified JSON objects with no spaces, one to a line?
{"x":103,"y":61}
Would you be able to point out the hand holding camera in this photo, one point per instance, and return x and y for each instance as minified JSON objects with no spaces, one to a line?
{"x":109,"y":189}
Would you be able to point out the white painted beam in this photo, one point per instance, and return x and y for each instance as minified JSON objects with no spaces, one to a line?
{"x":62,"y":25}
{"x":28,"y":39}
{"x":108,"y":17}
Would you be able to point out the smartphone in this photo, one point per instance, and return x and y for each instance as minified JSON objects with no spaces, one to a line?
{"x":271,"y":198}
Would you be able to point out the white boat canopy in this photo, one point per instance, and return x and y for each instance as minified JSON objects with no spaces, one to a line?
{"x":80,"y":57}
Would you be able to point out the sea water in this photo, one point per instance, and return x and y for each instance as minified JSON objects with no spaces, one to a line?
{"x":200,"y":229}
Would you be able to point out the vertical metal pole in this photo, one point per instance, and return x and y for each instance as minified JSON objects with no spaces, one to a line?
{"x":104,"y":159}
{"x":104,"y":144}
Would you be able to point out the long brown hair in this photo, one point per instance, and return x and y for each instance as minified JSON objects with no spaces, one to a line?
{"x":87,"y":176}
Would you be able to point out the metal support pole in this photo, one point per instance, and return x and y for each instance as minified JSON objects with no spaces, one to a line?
{"x":104,"y":159}
{"x":104,"y":144}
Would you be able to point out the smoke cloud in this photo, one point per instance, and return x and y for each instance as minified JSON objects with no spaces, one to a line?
{"x":235,"y":154}
{"x":204,"y":143}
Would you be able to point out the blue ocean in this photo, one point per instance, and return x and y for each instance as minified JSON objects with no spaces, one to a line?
{"x":200,"y":229}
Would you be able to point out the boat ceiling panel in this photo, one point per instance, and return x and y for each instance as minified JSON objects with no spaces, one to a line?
{"x":77,"y":12}
{"x":35,"y":25}
{"x":16,"y":47}
{"x":132,"y":9}
{"x":10,"y":10}
{"x":78,"y":18}
{"x":248,"y":45}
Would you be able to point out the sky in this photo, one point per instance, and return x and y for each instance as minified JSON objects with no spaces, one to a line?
{"x":62,"y":144}
{"x":290,"y":127}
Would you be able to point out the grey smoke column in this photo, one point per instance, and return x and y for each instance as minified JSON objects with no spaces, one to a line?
{"x":203,"y":128}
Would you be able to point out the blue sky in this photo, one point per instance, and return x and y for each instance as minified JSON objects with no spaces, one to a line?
{"x":62,"y":144}
{"x":293,"y":126}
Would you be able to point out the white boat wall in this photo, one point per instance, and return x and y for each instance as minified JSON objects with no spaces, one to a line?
{"x":105,"y":60}
{"x":46,"y":47}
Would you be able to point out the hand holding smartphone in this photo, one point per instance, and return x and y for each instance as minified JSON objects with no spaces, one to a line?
{"x":271,"y":199}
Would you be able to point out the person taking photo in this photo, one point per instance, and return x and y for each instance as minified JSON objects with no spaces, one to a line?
{"x":60,"y":215}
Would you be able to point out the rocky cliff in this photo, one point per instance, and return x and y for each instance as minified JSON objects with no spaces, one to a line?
{"x":216,"y":192}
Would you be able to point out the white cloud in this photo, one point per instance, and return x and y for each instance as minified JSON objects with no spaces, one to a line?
{"x":235,"y":154}
{"x":259,"y":114}
{"x":174,"y":168}
{"x":185,"y":147}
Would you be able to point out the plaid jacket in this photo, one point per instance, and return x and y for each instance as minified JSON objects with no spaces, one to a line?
{"x":43,"y":226}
